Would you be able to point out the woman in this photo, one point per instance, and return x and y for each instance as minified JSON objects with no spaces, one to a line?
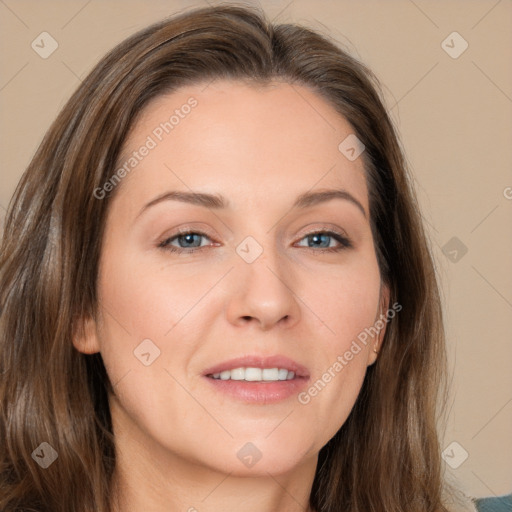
{"x":294,"y":360}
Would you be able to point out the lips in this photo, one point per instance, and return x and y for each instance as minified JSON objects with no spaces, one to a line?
{"x":255,"y":361}
{"x":256,"y":391}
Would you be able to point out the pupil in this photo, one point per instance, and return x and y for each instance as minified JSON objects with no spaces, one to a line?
{"x":317,"y":238}
{"x":189,"y":237}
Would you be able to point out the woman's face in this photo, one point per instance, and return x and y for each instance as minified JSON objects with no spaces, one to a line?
{"x":260,"y":283}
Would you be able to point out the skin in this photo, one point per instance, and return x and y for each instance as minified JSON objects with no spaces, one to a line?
{"x":177,"y":438}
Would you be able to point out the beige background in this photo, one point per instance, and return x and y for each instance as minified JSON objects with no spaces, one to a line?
{"x":454,"y":116}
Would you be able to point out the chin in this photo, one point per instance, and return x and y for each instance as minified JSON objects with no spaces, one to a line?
{"x":260,"y":457}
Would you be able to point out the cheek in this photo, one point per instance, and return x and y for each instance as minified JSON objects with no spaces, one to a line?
{"x":135,"y":297}
{"x":145,"y":346}
{"x":150,"y":300}
{"x":143,"y":300}
{"x":345,"y":300}
{"x":347,"y":304}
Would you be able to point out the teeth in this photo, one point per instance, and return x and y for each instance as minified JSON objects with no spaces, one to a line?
{"x":283,"y":374}
{"x":270,"y":374}
{"x":252,"y":374}
{"x":237,"y":374}
{"x":255,"y":374}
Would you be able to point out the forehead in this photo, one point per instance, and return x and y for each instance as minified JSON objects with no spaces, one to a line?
{"x":243,"y":138}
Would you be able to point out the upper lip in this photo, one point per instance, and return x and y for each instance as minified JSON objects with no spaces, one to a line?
{"x":258,"y":361}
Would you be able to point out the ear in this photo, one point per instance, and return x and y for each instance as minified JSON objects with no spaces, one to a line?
{"x":381,"y":321}
{"x":85,"y":336}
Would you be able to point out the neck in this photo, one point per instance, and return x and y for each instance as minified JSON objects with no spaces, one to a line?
{"x":142,"y":487}
{"x":149,"y":477}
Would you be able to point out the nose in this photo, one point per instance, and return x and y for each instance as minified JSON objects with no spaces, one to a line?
{"x":262,"y":293}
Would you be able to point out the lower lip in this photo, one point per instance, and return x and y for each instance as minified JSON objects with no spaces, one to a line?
{"x":259,"y":392}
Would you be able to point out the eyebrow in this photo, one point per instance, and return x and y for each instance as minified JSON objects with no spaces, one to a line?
{"x":218,"y":202}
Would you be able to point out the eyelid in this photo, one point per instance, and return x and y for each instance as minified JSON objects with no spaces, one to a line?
{"x":189,"y":228}
{"x":326,"y":229}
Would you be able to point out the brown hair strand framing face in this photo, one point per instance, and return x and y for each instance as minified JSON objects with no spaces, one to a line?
{"x":386,"y":456}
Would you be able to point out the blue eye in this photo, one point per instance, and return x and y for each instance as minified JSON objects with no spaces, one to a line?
{"x":319,"y":237}
{"x":192,"y":243}
{"x":189,"y":239}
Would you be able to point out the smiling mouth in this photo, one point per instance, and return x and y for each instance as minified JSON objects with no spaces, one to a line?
{"x":251,"y":374}
{"x":258,"y":379}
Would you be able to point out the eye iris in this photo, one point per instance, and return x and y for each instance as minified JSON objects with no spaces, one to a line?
{"x":317,"y":237}
{"x":189,"y":238}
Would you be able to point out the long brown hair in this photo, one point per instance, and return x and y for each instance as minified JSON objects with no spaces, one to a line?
{"x":386,"y":456}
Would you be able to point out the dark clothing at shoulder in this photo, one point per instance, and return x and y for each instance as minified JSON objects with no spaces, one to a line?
{"x":499,"y":504}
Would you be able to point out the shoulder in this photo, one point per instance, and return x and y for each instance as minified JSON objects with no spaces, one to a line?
{"x":456,"y":500}
{"x":498,"y":504}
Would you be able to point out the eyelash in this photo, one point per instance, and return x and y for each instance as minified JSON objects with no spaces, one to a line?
{"x":344,"y":241}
